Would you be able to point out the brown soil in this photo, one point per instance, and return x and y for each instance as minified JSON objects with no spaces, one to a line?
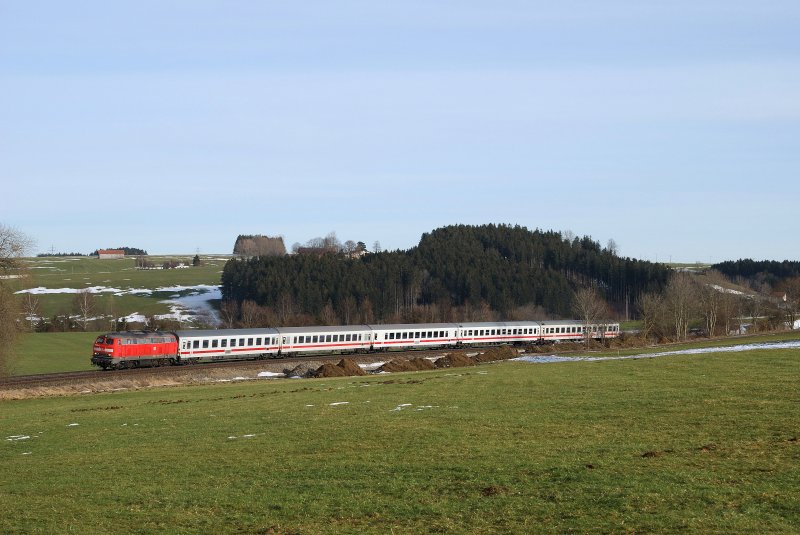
{"x":454,"y":360}
{"x":345,"y":368}
{"x":402,"y":365}
{"x":497,"y":353}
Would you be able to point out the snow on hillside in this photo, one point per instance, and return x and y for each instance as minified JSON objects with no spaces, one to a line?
{"x":185,"y":303}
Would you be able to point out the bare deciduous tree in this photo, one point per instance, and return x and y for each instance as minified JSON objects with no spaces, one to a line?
{"x":327,"y":315}
{"x":13,"y":246}
{"x":710,"y":304}
{"x":679,"y":297}
{"x":349,"y":308}
{"x":589,"y":306}
{"x":229,"y":312}
{"x":250,"y":314}
{"x":30,"y":307}
{"x":84,"y":305}
{"x":651,"y":310}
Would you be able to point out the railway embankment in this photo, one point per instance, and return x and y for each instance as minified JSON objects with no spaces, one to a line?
{"x":84,"y":383}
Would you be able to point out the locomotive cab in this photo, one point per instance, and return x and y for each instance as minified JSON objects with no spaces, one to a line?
{"x":103,"y":351}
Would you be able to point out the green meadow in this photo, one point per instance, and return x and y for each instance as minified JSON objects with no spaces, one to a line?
{"x":52,"y":353}
{"x":54,"y":273}
{"x":697,"y":444}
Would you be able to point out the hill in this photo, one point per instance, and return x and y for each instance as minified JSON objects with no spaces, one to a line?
{"x":454,"y":273}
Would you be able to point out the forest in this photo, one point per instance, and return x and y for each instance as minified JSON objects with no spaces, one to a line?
{"x":455,"y":273}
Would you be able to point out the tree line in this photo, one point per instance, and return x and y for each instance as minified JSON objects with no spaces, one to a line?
{"x":455,"y":273}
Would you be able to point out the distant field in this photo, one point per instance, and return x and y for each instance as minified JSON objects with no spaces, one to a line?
{"x":53,"y":273}
{"x":699,"y":444}
{"x":52,"y":353}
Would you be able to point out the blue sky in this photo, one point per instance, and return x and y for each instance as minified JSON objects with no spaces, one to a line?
{"x":673,"y":129}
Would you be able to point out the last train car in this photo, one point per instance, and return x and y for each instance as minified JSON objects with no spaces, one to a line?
{"x":132,"y":349}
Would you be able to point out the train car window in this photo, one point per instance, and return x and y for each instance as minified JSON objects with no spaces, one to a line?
{"x":241,"y":342}
{"x":214,"y":343}
{"x":224,"y":342}
{"x":249,"y":341}
{"x":258,"y":341}
{"x":205,"y":344}
{"x":327,"y":338}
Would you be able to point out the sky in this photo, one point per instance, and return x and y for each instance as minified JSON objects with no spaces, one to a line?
{"x":671,"y":127}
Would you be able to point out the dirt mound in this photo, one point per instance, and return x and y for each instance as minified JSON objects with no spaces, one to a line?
{"x":421,"y":364}
{"x":497,"y":353}
{"x":345,"y":368}
{"x":329,"y":370}
{"x":397,"y":365}
{"x":402,"y":365}
{"x":454,"y":360}
{"x":350,"y":367}
{"x":301,"y":370}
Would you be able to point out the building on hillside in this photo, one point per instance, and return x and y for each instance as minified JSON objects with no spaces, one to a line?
{"x":110,"y":253}
{"x":779,"y":297}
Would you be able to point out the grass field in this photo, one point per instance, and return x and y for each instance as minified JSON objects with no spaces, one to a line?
{"x":53,"y":273}
{"x":52,"y":353}
{"x":699,"y":444}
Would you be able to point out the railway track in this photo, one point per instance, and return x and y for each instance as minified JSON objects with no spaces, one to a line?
{"x":22,"y":382}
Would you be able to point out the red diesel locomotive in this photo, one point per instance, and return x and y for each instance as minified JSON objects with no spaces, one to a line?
{"x":132,"y":349}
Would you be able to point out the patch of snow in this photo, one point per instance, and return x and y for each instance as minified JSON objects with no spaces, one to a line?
{"x":73,"y":425}
{"x":27,"y":453}
{"x":370,"y":366}
{"x":544,"y":359}
{"x":270,"y":374}
{"x":14,"y":438}
{"x":196,"y":302}
{"x":719,"y":288}
{"x":401,"y":406}
{"x":248,"y":436}
{"x":339,"y":403}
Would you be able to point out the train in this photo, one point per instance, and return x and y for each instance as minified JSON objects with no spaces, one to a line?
{"x":134,"y":349}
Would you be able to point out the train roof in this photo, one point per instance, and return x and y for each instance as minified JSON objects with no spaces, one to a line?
{"x":490,"y":324}
{"x":412,"y":326}
{"x":575,"y":322}
{"x":137,"y":334}
{"x":225,"y":332}
{"x":323,"y":329}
